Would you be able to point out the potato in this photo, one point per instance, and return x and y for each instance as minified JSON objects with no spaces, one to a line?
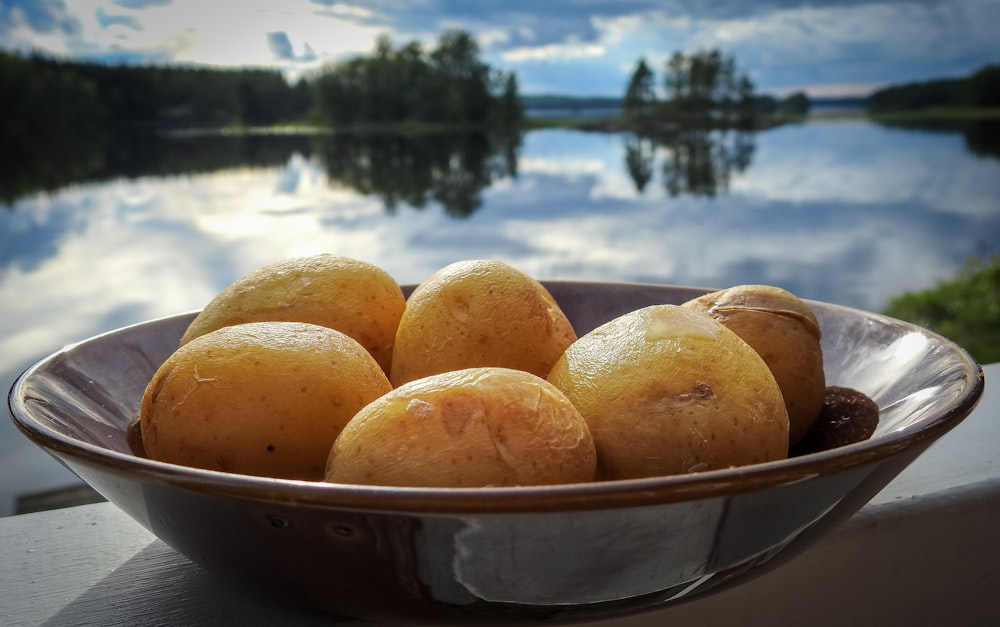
{"x":260,"y":398}
{"x":669,"y":390}
{"x":349,"y":295}
{"x":785,"y":332}
{"x":479,"y":313}
{"x":467,"y":428}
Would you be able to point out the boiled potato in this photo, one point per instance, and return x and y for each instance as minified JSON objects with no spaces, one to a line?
{"x":785,"y":332}
{"x":352,"y":296}
{"x":260,"y":398}
{"x":668,"y":390}
{"x":467,"y":428}
{"x":479,"y":313}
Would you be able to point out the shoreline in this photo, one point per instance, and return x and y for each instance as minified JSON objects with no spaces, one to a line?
{"x":605,"y":124}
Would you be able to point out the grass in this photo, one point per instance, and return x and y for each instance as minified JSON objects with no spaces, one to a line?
{"x":532,"y":123}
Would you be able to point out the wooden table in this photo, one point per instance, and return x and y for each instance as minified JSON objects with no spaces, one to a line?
{"x":926,"y":551}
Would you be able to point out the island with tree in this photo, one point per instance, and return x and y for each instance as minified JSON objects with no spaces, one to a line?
{"x":703,"y":89}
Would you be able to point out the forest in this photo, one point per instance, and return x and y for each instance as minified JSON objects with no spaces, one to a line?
{"x":448,"y":84}
{"x":980,"y":90}
{"x":56,"y":96}
{"x":445,"y":84}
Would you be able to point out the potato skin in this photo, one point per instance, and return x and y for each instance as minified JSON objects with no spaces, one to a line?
{"x":479,"y":313}
{"x":474,"y":427}
{"x":785,"y":332}
{"x":352,"y":296}
{"x":668,"y":390}
{"x":261,"y":398}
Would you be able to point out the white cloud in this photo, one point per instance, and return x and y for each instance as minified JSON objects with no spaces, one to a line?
{"x":560,"y":51}
{"x":811,"y":44}
{"x":490,"y":37}
{"x":345,"y":10}
{"x":222,"y":32}
{"x":582,"y":48}
{"x":882,"y":172}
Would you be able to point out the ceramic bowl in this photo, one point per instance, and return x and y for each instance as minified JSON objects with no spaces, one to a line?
{"x":575,"y":552}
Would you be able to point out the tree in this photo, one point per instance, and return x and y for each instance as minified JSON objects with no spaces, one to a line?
{"x":414,"y":84}
{"x":948,"y":92}
{"x":984,"y":87}
{"x":508,"y":110}
{"x":639,"y":95}
{"x":707,"y":84}
{"x":703,"y":74}
{"x":449,"y":84}
{"x":676,"y":77}
{"x":456,"y":63}
{"x":746,"y":106}
{"x":795,"y":104}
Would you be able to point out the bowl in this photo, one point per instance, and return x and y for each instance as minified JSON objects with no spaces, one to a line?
{"x":556,"y":553}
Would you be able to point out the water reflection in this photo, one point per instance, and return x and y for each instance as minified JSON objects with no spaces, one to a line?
{"x":982,"y":136}
{"x":30,"y":167}
{"x":695,"y":162}
{"x":640,"y":154}
{"x":448,"y":169}
{"x":702,"y":163}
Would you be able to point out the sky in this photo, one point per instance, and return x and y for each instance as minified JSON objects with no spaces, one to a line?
{"x":576,"y":47}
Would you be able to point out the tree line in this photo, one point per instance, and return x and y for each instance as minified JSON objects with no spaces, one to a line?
{"x":981,"y":89}
{"x":446,"y":84}
{"x":702,"y":88}
{"x":52,"y":96}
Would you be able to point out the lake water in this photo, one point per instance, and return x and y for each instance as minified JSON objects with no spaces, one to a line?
{"x":844,"y":211}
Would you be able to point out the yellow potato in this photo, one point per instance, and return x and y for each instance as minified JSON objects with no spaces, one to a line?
{"x":669,"y":390}
{"x":261,"y":398}
{"x":352,"y":296}
{"x":467,"y":428}
{"x":785,"y":332}
{"x":479,"y":313}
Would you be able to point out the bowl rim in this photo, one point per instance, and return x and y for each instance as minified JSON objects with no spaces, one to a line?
{"x":518,"y":499}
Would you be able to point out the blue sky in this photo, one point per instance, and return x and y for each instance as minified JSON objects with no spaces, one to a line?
{"x":579,"y":47}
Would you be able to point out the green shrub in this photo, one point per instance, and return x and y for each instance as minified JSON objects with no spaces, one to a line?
{"x":966,"y":309}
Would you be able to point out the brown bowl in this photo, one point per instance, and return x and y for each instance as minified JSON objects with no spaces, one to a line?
{"x":573,"y":552}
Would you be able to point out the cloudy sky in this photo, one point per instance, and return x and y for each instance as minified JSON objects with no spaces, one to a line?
{"x":580,"y":47}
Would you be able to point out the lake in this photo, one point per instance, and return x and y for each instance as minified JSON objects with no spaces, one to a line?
{"x":840,"y":210}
